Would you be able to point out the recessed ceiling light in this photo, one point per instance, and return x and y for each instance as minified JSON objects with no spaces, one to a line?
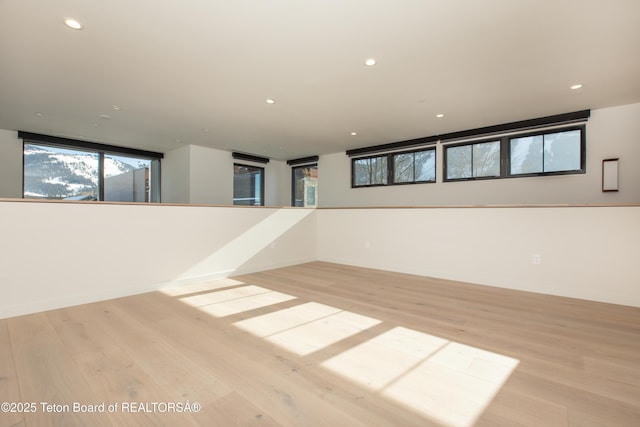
{"x":370,"y":62}
{"x":270,"y":101}
{"x":205,"y":130}
{"x":105,"y":116}
{"x":116,"y":107}
{"x":39,"y":114}
{"x":73,"y":24}
{"x":440,"y":115}
{"x":354,"y":133}
{"x":576,"y":87}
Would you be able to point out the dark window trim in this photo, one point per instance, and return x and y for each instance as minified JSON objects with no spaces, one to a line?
{"x":262,"y":181}
{"x":304,"y":160}
{"x":86,"y":145}
{"x":521,"y":125}
{"x":353,"y":171}
{"x":383,"y":148}
{"x":583,"y":152}
{"x":293,"y":177}
{"x":249,"y":157}
{"x":505,"y":154}
{"x":445,"y":178}
{"x":89,"y":148}
{"x":391,"y":170}
{"x":419,"y":150}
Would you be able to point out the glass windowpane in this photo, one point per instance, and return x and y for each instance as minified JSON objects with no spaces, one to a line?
{"x":486,"y":159}
{"x":362,"y":172}
{"x":425,"y":165}
{"x":403,"y":165}
{"x":459,"y":162}
{"x":379,"y":170}
{"x":247,"y":185}
{"x":562,"y":151}
{"x":305,"y":180}
{"x":57,"y":173}
{"x":526,"y":155}
{"x":126,"y":179}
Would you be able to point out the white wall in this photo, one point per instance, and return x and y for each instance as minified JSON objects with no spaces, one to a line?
{"x":611,"y":132}
{"x":277,"y":183}
{"x":211,"y":176}
{"x":585,"y":252}
{"x":200,"y":175}
{"x":175,"y":181}
{"x":10,"y":164}
{"x":61,"y":254}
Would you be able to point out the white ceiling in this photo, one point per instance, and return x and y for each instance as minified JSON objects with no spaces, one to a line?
{"x":178,"y":67}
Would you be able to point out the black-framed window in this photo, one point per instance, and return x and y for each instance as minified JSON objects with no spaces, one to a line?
{"x":304,"y":185}
{"x":370,"y":171}
{"x":415,"y":166}
{"x":472,"y":160}
{"x":406,"y":167}
{"x":64,"y":171}
{"x":248,"y":185}
{"x":552,"y":152}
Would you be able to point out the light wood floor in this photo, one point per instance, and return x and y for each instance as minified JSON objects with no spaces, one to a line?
{"x":327,"y":345}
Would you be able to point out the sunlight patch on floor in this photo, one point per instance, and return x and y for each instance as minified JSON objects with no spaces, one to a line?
{"x":220,"y":296}
{"x":240,"y":305}
{"x":448,"y":382}
{"x":380,"y":360}
{"x":176,"y":291}
{"x":308,"y":327}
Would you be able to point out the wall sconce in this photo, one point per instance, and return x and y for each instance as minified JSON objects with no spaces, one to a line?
{"x":610,"y":175}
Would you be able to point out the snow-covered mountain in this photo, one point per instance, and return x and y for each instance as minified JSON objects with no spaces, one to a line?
{"x":61,"y":174}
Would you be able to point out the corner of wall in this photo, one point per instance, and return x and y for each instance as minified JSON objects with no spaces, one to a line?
{"x":10,"y":164}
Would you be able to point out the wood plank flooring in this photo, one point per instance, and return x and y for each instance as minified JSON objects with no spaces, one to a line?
{"x":324,"y":344}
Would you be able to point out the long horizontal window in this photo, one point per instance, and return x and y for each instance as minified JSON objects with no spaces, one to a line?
{"x":370,"y":171}
{"x":551,"y":152}
{"x":547,"y":153}
{"x":394,"y":168}
{"x":73,"y":173}
{"x":477,"y":160}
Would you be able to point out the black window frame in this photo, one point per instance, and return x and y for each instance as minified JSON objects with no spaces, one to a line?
{"x":505,"y":154}
{"x":293,"y":179}
{"x":353,"y":171}
{"x":445,"y":157}
{"x":262,"y":182}
{"x":391,"y":168}
{"x":101,"y":150}
{"x":583,"y":152}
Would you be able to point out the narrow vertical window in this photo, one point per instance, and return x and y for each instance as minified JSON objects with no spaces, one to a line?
{"x":126,"y":179}
{"x":304,"y":186}
{"x":248,"y":185}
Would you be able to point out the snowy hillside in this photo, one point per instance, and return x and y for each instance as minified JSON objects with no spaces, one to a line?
{"x":59,"y":174}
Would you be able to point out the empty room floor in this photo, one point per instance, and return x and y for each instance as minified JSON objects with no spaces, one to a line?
{"x":323,"y":344}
